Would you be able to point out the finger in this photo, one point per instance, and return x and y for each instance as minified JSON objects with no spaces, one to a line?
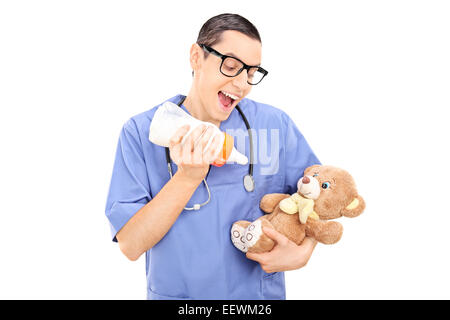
{"x":267,"y":269}
{"x":194,"y":146}
{"x":175,"y":145}
{"x":275,"y":235}
{"x":258,"y":257}
{"x":309,"y":243}
{"x":197,"y":154}
{"x":206,"y":136}
{"x":178,"y":135}
{"x":186,"y":150}
{"x":196,"y":134}
{"x":199,"y":148}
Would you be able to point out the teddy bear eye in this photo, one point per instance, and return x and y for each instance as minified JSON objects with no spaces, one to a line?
{"x":325,"y":185}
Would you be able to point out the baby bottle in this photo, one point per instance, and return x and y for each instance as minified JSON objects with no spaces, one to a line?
{"x":169,"y":117}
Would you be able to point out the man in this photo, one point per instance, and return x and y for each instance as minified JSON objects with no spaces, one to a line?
{"x":189,"y":254}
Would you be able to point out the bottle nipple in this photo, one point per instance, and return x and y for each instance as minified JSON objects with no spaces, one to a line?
{"x":229,"y":152}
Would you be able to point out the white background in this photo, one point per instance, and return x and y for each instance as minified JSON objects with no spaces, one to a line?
{"x":367,"y":83}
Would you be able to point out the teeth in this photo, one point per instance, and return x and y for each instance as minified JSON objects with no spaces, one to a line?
{"x":230,"y":95}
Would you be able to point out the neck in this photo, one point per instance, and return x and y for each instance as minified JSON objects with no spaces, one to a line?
{"x":197,"y":109}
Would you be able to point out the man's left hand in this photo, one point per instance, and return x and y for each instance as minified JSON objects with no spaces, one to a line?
{"x":285,"y":255}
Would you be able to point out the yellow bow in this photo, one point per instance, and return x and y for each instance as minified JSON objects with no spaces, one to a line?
{"x":304,"y":206}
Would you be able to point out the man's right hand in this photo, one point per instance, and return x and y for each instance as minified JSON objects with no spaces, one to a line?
{"x":193,"y":163}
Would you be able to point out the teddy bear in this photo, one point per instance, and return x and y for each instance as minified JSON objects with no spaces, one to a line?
{"x":324,"y":193}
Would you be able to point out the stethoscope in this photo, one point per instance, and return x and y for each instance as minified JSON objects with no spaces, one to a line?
{"x":249,"y":182}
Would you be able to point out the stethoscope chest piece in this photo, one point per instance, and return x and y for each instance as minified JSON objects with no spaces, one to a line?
{"x":249,"y":183}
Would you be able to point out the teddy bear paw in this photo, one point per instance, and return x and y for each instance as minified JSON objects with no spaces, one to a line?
{"x":253,"y":233}
{"x":237,"y":237}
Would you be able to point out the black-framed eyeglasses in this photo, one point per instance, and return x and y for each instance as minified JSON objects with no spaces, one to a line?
{"x":231,"y":67}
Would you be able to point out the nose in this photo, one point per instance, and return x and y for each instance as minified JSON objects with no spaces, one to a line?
{"x":305,"y":180}
{"x":240,"y":81}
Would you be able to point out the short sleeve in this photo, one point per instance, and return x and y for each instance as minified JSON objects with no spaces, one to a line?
{"x":298,"y":155}
{"x":129,"y":189}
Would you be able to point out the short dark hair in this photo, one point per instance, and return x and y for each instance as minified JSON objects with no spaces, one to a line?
{"x":211,"y":31}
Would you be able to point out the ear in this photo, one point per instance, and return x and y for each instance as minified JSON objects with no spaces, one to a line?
{"x":312,"y":168}
{"x":354,"y":208}
{"x":196,"y":57}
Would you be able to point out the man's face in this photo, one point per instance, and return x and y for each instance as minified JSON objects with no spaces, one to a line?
{"x":212,"y":84}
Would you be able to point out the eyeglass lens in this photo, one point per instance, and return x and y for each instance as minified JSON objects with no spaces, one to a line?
{"x":231,"y":67}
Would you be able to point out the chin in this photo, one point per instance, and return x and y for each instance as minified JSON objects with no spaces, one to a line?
{"x":220,"y":117}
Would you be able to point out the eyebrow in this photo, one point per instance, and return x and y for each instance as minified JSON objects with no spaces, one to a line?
{"x":231,"y":54}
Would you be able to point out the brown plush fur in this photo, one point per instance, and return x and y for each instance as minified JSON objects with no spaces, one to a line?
{"x":330,"y":204}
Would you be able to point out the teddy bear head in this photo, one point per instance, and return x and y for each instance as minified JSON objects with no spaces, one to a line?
{"x":333,"y":191}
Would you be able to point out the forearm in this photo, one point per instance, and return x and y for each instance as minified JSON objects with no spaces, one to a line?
{"x":149,"y":225}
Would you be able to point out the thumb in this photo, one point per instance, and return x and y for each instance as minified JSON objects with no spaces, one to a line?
{"x":275,"y":235}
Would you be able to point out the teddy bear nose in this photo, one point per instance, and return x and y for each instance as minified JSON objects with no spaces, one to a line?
{"x":305,"y":180}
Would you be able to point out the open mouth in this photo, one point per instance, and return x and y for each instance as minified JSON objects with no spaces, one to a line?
{"x":227,"y":101}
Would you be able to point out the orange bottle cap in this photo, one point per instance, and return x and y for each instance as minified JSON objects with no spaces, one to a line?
{"x":228,"y":144}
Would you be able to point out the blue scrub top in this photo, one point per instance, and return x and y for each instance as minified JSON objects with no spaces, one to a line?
{"x":196,"y":258}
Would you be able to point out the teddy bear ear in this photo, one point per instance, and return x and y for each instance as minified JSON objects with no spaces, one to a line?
{"x":313,"y":167}
{"x":354,"y":208}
